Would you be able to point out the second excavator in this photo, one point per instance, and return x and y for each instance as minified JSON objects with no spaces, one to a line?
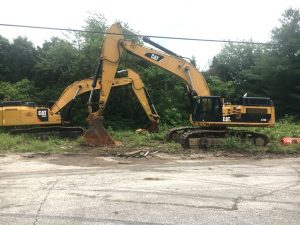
{"x":211,"y":116}
{"x":28,"y":117}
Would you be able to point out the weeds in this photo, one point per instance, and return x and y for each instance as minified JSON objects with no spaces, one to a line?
{"x":236,"y":144}
{"x":278,"y":148}
{"x":22,"y":143}
{"x":130,"y":139}
{"x":286,"y":127}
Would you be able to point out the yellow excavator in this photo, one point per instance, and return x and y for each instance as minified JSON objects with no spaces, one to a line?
{"x":27,"y":117}
{"x":211,"y":116}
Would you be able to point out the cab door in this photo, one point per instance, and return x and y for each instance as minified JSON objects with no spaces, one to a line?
{"x":207,"y":109}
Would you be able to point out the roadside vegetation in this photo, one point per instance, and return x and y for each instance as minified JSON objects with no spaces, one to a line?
{"x":131,"y":140}
{"x":22,"y":143}
{"x":126,"y":139}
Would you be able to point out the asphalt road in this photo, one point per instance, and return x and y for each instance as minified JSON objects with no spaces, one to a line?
{"x":183,"y":192}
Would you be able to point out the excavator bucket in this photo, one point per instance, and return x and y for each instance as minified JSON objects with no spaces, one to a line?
{"x":153,"y":128}
{"x":96,"y":135}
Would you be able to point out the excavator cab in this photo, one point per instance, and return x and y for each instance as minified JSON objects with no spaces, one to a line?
{"x":207,"y":109}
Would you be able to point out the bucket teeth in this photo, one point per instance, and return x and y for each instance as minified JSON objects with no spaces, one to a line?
{"x":96,"y":135}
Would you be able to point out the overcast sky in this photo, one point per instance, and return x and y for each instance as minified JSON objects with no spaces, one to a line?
{"x":210,"y":19}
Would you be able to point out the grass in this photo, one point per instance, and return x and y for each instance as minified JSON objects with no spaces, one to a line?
{"x":22,"y":143}
{"x":278,"y":148}
{"x":286,"y":127}
{"x":131,"y":139}
{"x":156,"y":141}
{"x":237,"y":145}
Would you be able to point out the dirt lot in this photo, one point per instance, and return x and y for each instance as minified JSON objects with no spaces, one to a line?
{"x":89,"y":157}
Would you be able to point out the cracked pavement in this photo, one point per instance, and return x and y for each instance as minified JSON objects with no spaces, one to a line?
{"x":208,"y":191}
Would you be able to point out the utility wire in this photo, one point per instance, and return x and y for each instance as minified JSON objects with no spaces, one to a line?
{"x":152,"y":36}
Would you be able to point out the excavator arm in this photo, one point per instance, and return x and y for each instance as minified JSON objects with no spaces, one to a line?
{"x":80,"y":87}
{"x":84,"y":86}
{"x":141,"y":93}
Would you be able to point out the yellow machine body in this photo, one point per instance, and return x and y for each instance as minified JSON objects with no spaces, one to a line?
{"x":238,"y":111}
{"x":20,"y":114}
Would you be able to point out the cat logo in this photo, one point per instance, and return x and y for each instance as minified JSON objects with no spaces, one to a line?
{"x":226,"y":119}
{"x":154,"y":57}
{"x":42,"y":114}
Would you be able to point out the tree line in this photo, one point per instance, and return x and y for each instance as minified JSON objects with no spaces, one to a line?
{"x":40,"y":74}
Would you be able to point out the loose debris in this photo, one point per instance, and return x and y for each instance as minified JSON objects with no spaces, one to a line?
{"x":152,"y":178}
{"x":137,"y":154}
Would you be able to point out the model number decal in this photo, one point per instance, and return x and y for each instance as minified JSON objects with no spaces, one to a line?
{"x":155,"y":57}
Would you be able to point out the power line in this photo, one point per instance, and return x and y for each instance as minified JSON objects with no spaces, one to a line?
{"x":152,"y":36}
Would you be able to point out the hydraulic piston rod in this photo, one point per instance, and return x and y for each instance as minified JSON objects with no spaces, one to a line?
{"x":147,"y":40}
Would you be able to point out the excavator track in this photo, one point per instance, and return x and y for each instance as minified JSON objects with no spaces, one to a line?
{"x":207,"y":138}
{"x":60,"y":131}
{"x":175,"y":133}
